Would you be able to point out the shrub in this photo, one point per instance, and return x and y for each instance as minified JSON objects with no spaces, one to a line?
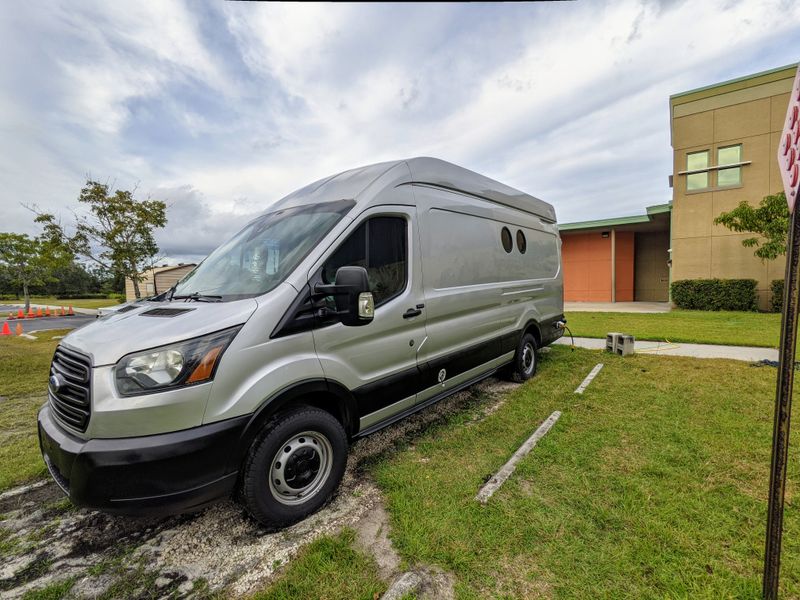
{"x":82,"y":296}
{"x":776,"y":301}
{"x":715,"y":294}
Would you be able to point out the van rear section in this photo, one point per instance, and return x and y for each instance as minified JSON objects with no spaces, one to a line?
{"x":350,"y":304}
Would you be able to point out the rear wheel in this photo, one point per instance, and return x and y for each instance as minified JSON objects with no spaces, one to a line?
{"x":523,"y":367}
{"x":294,"y":466}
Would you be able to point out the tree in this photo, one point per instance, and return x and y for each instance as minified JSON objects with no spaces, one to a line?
{"x":30,"y":261}
{"x":770,"y":220}
{"x":117,"y":232}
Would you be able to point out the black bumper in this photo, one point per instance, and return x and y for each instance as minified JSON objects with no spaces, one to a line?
{"x":151,"y":475}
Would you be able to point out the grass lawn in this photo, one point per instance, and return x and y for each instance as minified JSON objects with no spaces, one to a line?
{"x":24,"y":366}
{"x":77,"y":302}
{"x":328,"y":568}
{"x":690,"y":326}
{"x":652,"y":485}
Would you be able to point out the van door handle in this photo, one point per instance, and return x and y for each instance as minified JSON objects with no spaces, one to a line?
{"x":412,"y":312}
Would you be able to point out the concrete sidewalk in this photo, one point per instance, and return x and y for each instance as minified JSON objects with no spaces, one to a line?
{"x":745,"y":353}
{"x":622,"y":307}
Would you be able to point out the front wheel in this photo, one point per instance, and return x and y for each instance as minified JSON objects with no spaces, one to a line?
{"x":294,"y":466}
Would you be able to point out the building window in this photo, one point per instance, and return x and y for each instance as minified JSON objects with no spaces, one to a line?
{"x":730,"y":155}
{"x":694,"y":162}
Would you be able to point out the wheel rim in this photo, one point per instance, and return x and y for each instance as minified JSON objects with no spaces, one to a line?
{"x":300,"y":467}
{"x":528,"y":358}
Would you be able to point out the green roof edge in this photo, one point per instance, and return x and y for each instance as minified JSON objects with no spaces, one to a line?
{"x":631,"y":220}
{"x":736,"y":80}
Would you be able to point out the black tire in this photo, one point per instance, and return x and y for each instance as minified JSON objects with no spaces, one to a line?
{"x":309,"y":438}
{"x":523,"y":367}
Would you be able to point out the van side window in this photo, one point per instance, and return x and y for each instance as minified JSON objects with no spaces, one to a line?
{"x":380,"y":246}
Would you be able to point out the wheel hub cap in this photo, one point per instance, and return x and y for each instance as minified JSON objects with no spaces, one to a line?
{"x":527,"y":357}
{"x":300,"y":467}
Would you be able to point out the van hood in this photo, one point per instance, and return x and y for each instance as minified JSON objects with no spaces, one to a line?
{"x":144,"y":325}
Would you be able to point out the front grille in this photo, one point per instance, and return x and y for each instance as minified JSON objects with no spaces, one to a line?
{"x":71,"y":399}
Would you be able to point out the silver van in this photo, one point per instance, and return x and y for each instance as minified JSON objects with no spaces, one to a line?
{"x":352,"y":303}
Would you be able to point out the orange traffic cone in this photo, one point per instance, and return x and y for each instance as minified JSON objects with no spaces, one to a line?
{"x":47,"y":311}
{"x":21,"y":314}
{"x":39,"y":312}
{"x":19,"y":328}
{"x":63,"y":312}
{"x":31,"y":314}
{"x":6,"y":329}
{"x":71,"y":312}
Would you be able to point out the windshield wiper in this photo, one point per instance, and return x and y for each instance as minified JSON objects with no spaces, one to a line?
{"x":197,"y":297}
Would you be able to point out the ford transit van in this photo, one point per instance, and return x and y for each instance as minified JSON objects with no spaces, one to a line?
{"x":350,"y":304}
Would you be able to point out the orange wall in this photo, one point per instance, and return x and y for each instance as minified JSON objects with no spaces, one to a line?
{"x":587,"y":267}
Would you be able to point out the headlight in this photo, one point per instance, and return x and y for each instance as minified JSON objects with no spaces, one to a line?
{"x":176,"y":365}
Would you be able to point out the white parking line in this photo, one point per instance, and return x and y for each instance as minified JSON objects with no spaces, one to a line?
{"x":507,"y":469}
{"x":585,"y":383}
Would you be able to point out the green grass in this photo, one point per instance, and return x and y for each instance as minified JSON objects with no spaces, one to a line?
{"x":76,"y":302}
{"x":53,"y":591}
{"x":690,"y":326}
{"x":651,"y":485}
{"x":328,"y":568}
{"x":24,"y":367}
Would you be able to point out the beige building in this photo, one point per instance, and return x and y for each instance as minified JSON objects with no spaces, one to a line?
{"x":158,"y":280}
{"x":724,"y":139}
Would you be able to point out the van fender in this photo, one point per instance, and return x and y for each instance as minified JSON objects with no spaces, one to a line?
{"x":533,"y":326}
{"x":322,"y":393}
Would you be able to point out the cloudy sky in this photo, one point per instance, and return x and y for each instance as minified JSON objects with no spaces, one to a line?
{"x":223,"y":108}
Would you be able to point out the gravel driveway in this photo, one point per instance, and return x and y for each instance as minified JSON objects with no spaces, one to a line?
{"x":45,"y":541}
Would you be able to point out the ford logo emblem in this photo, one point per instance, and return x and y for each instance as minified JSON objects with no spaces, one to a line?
{"x":55,"y":383}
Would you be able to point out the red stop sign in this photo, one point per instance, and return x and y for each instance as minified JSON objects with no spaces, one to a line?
{"x":789,"y":149}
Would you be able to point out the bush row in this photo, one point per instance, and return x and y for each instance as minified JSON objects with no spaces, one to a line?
{"x":715,"y":294}
{"x":88,"y":296}
{"x":776,"y":300}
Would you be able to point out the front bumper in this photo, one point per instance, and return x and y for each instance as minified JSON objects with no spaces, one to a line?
{"x":150,"y":475}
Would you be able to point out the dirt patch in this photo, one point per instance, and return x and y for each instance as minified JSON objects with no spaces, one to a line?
{"x":372,"y":537}
{"x":424,"y":583}
{"x":46,"y":541}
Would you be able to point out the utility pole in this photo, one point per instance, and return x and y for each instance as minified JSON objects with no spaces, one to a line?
{"x":789,"y":164}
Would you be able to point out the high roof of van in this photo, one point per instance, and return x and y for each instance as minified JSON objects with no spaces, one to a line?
{"x":357,"y":184}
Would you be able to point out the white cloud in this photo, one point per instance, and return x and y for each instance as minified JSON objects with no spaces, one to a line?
{"x":224,"y":109}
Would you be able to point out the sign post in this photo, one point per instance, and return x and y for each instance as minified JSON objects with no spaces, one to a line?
{"x":789,"y":164}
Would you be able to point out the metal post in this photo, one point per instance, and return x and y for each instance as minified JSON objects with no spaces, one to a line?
{"x":783,"y":408}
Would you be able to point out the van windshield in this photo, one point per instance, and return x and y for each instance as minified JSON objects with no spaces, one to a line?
{"x":262,"y":254}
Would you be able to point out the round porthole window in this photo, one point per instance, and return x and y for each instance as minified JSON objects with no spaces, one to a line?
{"x":522,"y":243}
{"x":505,"y":238}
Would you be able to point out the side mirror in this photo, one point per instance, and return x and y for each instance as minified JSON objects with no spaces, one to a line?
{"x":355,"y":304}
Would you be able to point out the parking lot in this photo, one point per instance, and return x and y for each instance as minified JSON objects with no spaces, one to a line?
{"x":42,"y":323}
